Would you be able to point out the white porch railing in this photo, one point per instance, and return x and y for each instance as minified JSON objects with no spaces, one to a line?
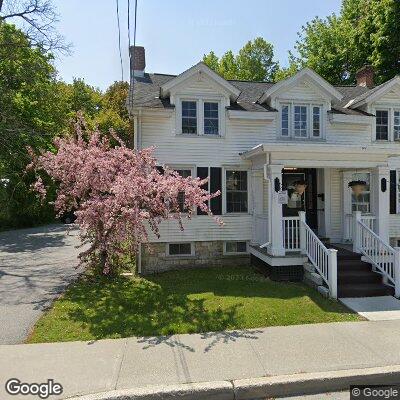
{"x":323,"y":259}
{"x":381,"y":255}
{"x":291,"y":233}
{"x":368,"y":220}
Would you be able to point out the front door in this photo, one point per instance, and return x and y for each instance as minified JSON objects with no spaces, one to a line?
{"x":301,"y":185}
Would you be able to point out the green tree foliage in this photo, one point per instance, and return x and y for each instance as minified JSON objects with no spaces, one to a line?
{"x":35,"y":108}
{"x":254,"y":62}
{"x":30,"y":114}
{"x":365,"y":32}
{"x":114,"y":113}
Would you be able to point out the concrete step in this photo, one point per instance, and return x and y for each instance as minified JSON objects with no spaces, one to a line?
{"x":316,"y":278}
{"x":323,"y":290}
{"x":309,"y":267}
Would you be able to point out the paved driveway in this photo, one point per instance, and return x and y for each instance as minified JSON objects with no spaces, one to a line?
{"x":35,"y":267}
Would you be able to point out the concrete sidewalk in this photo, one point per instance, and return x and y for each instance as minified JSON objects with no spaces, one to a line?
{"x":89,"y":367}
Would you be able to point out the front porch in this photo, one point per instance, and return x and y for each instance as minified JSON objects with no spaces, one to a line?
{"x":290,"y":224}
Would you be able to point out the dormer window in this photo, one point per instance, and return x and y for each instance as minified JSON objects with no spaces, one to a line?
{"x":200,"y":117}
{"x":189,"y":117}
{"x":211,"y":122}
{"x":301,"y":121}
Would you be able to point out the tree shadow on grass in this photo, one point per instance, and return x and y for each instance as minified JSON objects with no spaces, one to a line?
{"x":138,"y":307}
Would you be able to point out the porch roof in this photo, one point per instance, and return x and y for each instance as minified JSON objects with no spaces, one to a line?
{"x":306,"y":154}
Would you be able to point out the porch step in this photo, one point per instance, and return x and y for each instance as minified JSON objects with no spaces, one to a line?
{"x":364,"y":290}
{"x":353,"y":265}
{"x":358,"y":277}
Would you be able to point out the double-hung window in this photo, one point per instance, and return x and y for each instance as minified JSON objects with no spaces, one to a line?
{"x":285,"y":120}
{"x":201,"y":117}
{"x":184,"y":173}
{"x":316,"y":121}
{"x":189,"y":117}
{"x":211,"y":120}
{"x":301,"y":121}
{"x":382,"y":125}
{"x":396,"y":124}
{"x":236,"y":191}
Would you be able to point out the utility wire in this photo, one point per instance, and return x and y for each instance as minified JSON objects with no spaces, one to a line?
{"x":134,"y":45}
{"x":129,"y":24}
{"x":119,"y":42}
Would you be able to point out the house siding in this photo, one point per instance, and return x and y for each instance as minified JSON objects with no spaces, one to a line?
{"x":241,"y":135}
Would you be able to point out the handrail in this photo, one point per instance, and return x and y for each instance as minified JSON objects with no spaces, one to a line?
{"x":323,"y":259}
{"x":379,"y":253}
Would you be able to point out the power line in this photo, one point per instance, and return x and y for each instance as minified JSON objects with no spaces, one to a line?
{"x":134,"y":29}
{"x":129,"y":24}
{"x":119,"y":42}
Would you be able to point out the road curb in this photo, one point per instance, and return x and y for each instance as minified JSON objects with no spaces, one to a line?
{"x":318,"y":382}
{"x":259,"y":388}
{"x":217,"y":390}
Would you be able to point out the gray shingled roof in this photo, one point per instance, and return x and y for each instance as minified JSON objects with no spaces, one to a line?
{"x":147,"y":94}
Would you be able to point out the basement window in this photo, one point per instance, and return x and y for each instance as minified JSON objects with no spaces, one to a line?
{"x":180,"y":249}
{"x":235,"y":247}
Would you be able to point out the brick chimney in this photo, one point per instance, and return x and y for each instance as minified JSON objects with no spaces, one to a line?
{"x":138,"y":60}
{"x":365,"y":76}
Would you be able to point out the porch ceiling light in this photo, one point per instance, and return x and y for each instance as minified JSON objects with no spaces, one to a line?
{"x":358,"y":187}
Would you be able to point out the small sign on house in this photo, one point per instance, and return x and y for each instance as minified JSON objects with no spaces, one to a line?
{"x":283,"y":197}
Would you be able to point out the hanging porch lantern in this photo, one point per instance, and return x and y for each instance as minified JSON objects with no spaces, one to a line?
{"x":358,"y":187}
{"x":300,"y":187}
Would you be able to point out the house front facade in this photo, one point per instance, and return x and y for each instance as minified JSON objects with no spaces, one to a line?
{"x":274,"y":150}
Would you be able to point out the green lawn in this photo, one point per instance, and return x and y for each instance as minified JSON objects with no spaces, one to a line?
{"x":211,"y":299}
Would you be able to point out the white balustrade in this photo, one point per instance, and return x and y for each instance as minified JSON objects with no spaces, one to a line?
{"x":291,"y":233}
{"x":323,"y":259}
{"x":380,"y":254}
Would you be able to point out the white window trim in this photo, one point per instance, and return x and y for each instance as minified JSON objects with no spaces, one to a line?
{"x":390,"y":111}
{"x":192,"y":250}
{"x":225,"y":199}
{"x":200,"y":115}
{"x":390,"y":123}
{"x":310,"y":133}
{"x":397,"y":191}
{"x":395,"y":109}
{"x":231,"y":253}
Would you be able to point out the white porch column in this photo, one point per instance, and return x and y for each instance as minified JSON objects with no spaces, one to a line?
{"x":381,"y":193}
{"x":347,"y":177}
{"x":257,"y":188}
{"x":275,"y":246}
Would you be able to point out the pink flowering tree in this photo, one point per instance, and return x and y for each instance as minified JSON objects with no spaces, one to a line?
{"x":118,"y":194}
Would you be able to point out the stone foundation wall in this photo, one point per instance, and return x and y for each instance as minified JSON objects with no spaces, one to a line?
{"x":207,"y":254}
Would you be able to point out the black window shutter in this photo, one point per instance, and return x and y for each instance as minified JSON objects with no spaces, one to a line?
{"x":215,"y":185}
{"x":202,"y":173}
{"x":393,"y":197}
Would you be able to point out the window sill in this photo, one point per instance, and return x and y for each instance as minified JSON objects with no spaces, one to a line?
{"x":193,"y":135}
{"x":295,"y":139}
{"x":180,"y":255}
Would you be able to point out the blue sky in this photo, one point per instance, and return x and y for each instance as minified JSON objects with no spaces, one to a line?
{"x":175,"y":33}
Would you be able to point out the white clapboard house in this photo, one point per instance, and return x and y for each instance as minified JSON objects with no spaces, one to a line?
{"x":305,"y":169}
